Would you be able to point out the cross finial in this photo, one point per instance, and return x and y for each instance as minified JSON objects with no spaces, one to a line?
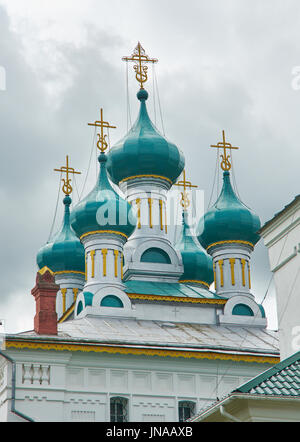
{"x":102,"y":143}
{"x":139,"y":56}
{"x":67,"y":188}
{"x":185,"y":202}
{"x":225,"y":163}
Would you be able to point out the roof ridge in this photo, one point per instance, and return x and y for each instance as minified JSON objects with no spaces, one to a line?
{"x":255,"y":382}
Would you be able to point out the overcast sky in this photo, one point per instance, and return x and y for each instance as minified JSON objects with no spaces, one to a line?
{"x":222,"y":65}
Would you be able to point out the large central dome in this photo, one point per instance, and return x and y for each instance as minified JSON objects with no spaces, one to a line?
{"x":144,"y":151}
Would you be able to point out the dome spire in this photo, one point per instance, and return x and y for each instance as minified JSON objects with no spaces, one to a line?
{"x":140,"y":58}
{"x":102,"y":143}
{"x":225,"y":163}
{"x":67,"y":188}
{"x":185,"y":202}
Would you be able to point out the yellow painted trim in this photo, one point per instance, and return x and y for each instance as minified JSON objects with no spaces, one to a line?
{"x":232,"y":262}
{"x":122,"y":264}
{"x":65,"y":316}
{"x":69,"y":271}
{"x":230,"y":242}
{"x":176,"y":299}
{"x":150,"y":212}
{"x":166,"y":223}
{"x":85,"y":263}
{"x":63,"y":293}
{"x":116,"y":253}
{"x":146,"y":176}
{"x":215,"y":279}
{"x":92,"y":254}
{"x":75,"y":293}
{"x":138,"y":203}
{"x":221,"y":262}
{"x":186,"y":281}
{"x":103,"y":231}
{"x":104,"y":254}
{"x":140,"y":351}
{"x":45,"y":269}
{"x":161,"y":214}
{"x":243,"y":262}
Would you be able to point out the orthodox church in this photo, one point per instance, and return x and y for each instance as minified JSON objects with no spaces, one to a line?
{"x":127,"y":326}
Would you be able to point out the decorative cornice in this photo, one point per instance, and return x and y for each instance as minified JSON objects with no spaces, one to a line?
{"x":176,"y":299}
{"x":103,"y":231}
{"x":234,"y":241}
{"x":140,"y":351}
{"x":146,"y":176}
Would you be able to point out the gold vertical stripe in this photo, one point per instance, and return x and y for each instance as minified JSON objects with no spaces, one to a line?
{"x":249,"y":275}
{"x":85,"y":262}
{"x":75,"y":293}
{"x":161,"y":214}
{"x":63,"y":292}
{"x":166,"y":218}
{"x":221,"y":272}
{"x":122,"y":263}
{"x":232,"y":262}
{"x":243,"y":262}
{"x":150,"y":212}
{"x":104,"y":254}
{"x":92,"y":253}
{"x":116,"y":253}
{"x":138,"y":203}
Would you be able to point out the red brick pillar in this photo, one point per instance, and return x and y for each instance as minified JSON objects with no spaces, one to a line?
{"x":44,"y":292}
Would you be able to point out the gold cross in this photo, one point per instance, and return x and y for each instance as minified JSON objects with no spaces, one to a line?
{"x":225,"y":163}
{"x":140,"y":57}
{"x":185,"y":202}
{"x":102,"y":137}
{"x":67,"y":188}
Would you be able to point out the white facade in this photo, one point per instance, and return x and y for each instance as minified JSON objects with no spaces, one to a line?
{"x":282,"y":236}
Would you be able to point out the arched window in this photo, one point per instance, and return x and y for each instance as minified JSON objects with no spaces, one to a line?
{"x":118,"y":409}
{"x":156,"y":255}
{"x":79,"y":307}
{"x":242,"y":310}
{"x":186,"y":409}
{"x":111,"y":301}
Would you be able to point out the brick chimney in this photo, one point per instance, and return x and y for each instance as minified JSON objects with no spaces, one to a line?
{"x":44,"y":292}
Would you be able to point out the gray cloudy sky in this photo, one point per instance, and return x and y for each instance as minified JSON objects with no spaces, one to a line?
{"x":222,"y":65}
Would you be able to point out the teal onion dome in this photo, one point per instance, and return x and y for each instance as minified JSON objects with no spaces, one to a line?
{"x":198,"y":265}
{"x":228,"y":220}
{"x":103,"y":210}
{"x":64,"y":252}
{"x":144,"y":151}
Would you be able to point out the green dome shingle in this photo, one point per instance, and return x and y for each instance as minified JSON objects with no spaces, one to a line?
{"x":64,"y":253}
{"x":228,"y":219}
{"x":144,"y":151}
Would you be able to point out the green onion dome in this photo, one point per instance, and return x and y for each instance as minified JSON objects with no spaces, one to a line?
{"x":63,"y":253}
{"x":144,"y":151}
{"x":198,"y":266}
{"x":103,"y":210}
{"x":228,"y":220}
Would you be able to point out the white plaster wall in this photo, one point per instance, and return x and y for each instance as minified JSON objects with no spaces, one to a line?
{"x":80,"y":384}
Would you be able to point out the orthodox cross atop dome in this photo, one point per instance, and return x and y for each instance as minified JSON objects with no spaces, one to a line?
{"x":67,"y":188}
{"x":102,"y":143}
{"x":225,"y":163}
{"x":139,"y":56}
{"x":185,"y":202}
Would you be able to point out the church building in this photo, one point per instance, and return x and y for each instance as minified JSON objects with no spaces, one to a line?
{"x":129,"y":326}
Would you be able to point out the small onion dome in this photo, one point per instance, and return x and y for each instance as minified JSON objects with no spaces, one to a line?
{"x":228,"y":220}
{"x":64,"y":253}
{"x":144,"y":151}
{"x":103,"y":210}
{"x":198,"y":266}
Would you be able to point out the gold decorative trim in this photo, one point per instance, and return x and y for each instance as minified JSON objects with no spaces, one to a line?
{"x":221,"y":263}
{"x":140,"y":351}
{"x":232,"y":262}
{"x":63,"y":293}
{"x":146,"y":176}
{"x":243,"y":262}
{"x":104,"y":255}
{"x":92,"y":255}
{"x":186,"y":281}
{"x":44,"y":270}
{"x":66,"y":314}
{"x":176,"y":299}
{"x":138,"y":203}
{"x":103,"y":231}
{"x":234,"y":241}
{"x":69,"y":271}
